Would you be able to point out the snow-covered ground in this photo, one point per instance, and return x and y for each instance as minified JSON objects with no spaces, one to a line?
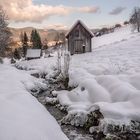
{"x":22,"y":117}
{"x":108,"y":78}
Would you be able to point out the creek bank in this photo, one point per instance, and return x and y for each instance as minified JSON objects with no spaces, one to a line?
{"x":56,"y":82}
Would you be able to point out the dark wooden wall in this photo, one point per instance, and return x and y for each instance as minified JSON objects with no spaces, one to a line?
{"x":78,"y":37}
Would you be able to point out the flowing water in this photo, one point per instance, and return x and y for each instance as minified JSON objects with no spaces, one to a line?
{"x":72,"y":132}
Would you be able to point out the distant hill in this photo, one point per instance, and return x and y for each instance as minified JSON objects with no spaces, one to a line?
{"x":49,"y":34}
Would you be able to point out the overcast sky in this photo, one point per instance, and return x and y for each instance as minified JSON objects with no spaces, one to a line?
{"x":62,"y":14}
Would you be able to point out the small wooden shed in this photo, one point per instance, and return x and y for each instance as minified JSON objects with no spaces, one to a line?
{"x":79,"y":38}
{"x":33,"y":54}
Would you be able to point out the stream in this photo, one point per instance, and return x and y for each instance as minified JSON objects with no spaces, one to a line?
{"x":72,"y":132}
{"x":79,"y":133}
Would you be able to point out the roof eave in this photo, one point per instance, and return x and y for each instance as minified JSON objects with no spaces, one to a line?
{"x":91,"y":34}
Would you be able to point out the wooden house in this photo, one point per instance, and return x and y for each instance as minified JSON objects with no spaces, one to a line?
{"x":79,"y":39}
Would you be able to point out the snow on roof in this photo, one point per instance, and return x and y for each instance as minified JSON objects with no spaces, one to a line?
{"x":33,"y":53}
{"x":79,"y":22}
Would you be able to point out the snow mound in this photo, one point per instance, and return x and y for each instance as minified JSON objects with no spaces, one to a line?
{"x":116,"y":99}
{"x":41,"y":66}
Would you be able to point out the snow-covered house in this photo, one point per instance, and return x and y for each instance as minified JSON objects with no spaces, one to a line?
{"x":33,"y":54}
{"x":79,"y":38}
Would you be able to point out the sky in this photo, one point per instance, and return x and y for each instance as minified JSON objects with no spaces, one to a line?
{"x":62,"y":14}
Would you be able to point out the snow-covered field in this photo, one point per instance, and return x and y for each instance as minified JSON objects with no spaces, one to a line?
{"x":106,"y":79}
{"x":22,"y":117}
{"x":109,"y":76}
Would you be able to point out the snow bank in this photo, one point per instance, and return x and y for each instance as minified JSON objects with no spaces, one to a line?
{"x":117,"y":99}
{"x":42,"y":66}
{"x":22,"y":116}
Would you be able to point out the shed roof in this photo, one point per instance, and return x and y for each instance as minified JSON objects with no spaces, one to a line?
{"x":84,"y":26}
{"x":33,"y":53}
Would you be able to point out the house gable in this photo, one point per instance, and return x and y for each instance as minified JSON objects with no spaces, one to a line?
{"x":79,"y":23}
{"x":79,"y":38}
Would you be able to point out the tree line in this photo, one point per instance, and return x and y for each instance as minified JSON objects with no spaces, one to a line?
{"x":34,"y":42}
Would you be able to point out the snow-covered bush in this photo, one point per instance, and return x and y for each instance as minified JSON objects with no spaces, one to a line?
{"x":66,"y":64}
{"x":35,"y":87}
{"x":75,"y":118}
{"x":94,"y":118}
{"x":51,"y":101}
{"x":63,"y":62}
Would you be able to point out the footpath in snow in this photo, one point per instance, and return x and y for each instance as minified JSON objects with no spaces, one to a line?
{"x":22,"y":117}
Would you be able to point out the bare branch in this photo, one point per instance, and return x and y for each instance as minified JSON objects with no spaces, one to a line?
{"x":5,"y":34}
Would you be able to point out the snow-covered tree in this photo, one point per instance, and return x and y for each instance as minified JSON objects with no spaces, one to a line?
{"x":5,"y":34}
{"x":135,"y":19}
{"x":62,"y":37}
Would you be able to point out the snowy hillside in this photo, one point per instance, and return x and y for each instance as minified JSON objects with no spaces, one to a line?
{"x":107,"y":78}
{"x":120,"y":34}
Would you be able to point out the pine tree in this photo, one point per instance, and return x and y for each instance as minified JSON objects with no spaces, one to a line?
{"x":25,"y":37}
{"x":62,"y":37}
{"x":16,"y":54}
{"x":24,"y":40}
{"x":32,"y":38}
{"x":22,"y":37}
{"x":36,"y":40}
{"x":45,"y":44}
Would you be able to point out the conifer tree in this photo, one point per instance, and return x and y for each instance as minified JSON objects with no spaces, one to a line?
{"x":36,"y":40}
{"x":16,"y":54}
{"x":24,"y":40}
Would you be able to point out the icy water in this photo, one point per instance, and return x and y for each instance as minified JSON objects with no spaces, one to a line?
{"x":72,"y":132}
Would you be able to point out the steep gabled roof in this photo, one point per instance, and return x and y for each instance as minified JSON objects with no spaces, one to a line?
{"x":83,"y":25}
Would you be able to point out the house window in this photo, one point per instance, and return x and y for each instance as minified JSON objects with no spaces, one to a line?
{"x":77,"y":33}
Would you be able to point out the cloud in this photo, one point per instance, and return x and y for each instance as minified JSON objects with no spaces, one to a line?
{"x":26,"y":10}
{"x":57,"y":26}
{"x":117,"y":10}
{"x":89,"y":9}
